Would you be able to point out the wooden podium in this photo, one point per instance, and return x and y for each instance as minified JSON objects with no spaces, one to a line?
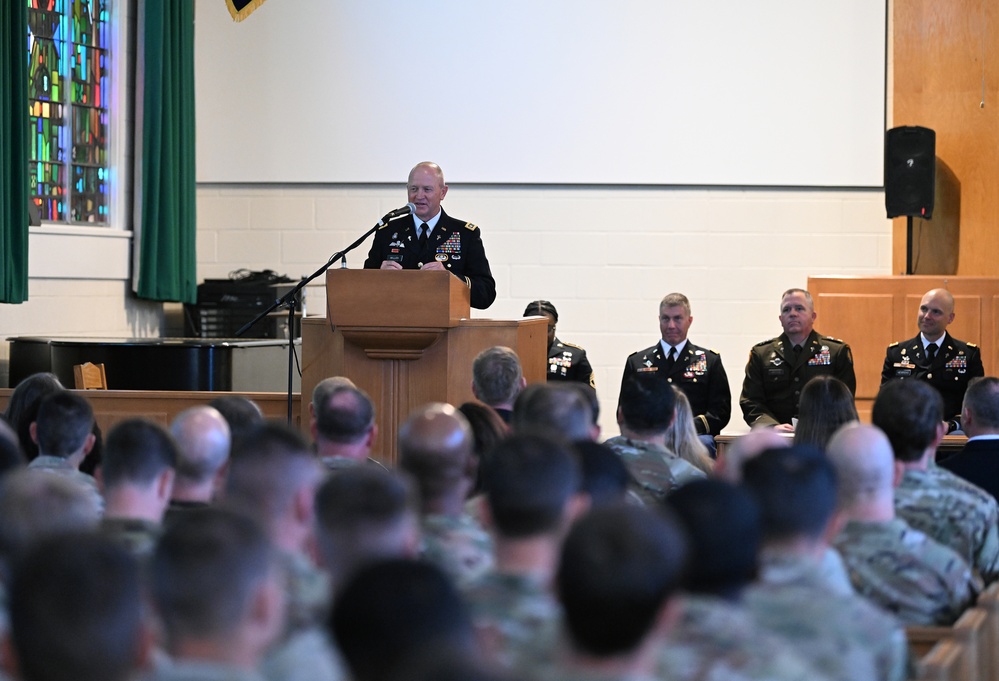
{"x":405,"y":338}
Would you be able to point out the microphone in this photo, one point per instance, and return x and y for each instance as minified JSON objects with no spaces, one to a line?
{"x":397,"y":213}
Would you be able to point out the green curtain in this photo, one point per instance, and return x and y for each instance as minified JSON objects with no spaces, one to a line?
{"x":168,"y":223}
{"x":14,"y":136}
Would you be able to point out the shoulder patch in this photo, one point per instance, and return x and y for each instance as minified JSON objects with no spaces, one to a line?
{"x":469,"y":225}
{"x":893,"y":344}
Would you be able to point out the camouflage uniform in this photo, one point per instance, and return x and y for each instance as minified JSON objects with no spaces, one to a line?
{"x":191,"y":670}
{"x":905,"y":572}
{"x":833,"y":573}
{"x":716,"y":639}
{"x":306,"y":655}
{"x":308,"y":592}
{"x":138,"y":536}
{"x":654,"y":470}
{"x":955,"y":513}
{"x":845,"y":637}
{"x":60,"y":466}
{"x":458,"y":545}
{"x":517,"y":616}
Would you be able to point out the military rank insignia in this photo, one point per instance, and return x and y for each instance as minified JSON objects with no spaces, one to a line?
{"x":822,"y":358}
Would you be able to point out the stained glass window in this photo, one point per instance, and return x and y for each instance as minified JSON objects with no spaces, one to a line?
{"x":68,"y":103}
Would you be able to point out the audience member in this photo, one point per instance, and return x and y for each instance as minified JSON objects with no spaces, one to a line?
{"x":435,"y":448}
{"x":532,"y":496}
{"x":899,"y":568}
{"x":11,"y":456}
{"x":497,"y":379}
{"x":394,"y":612}
{"x":22,"y":409}
{"x":931,"y":499}
{"x":779,"y":368}
{"x":978,"y":462}
{"x":216,"y":583}
{"x":203,"y":440}
{"x":844,"y":636}
{"x":64,"y":433}
{"x":343,"y":426}
{"x":604,"y":477}
{"x":561,"y":410}
{"x":365,"y":514}
{"x":76,"y":612}
{"x":488,"y":429}
{"x":617,"y":580}
{"x":645,"y":411}
{"x":273,"y":477}
{"x":566,"y":362}
{"x":136,"y":478}
{"x":682,"y":438}
{"x":826,"y":404}
{"x":715,"y":631}
{"x":240,"y":413}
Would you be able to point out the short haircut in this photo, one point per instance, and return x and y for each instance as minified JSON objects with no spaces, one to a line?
{"x":541,"y":308}
{"x":647,"y":404}
{"x":604,"y":474}
{"x":22,"y":409}
{"x":204,"y":572}
{"x":389,"y":611}
{"x":496,"y":375}
{"x":137,"y":451}
{"x":796,"y":490}
{"x":76,"y":610}
{"x":808,"y":296}
{"x":982,"y":400}
{"x":619,"y":565}
{"x":65,"y":421}
{"x":204,"y":440}
{"x":724,"y":530}
{"x":241,"y":413}
{"x":327,"y":386}
{"x":825,"y":405}
{"x":267,"y":468}
{"x":675,"y":300}
{"x":560,"y":409}
{"x":909,"y":412}
{"x":35,"y":503}
{"x":345,"y":415}
{"x":435,"y":447}
{"x":529,"y":480}
{"x":361,"y":515}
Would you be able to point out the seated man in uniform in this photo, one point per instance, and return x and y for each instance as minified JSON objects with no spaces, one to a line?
{"x":697,"y":371}
{"x":935,"y":356}
{"x":779,"y":368}
{"x":433,"y":240}
{"x":566,"y":362}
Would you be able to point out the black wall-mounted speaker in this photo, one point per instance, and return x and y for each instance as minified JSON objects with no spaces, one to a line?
{"x":910,"y":171}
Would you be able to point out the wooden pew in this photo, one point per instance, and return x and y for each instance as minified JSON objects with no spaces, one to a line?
{"x":989,"y":602}
{"x":944,"y":662}
{"x":971,"y":632}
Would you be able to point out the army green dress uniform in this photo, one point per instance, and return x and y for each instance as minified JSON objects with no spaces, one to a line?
{"x":955,"y":364}
{"x":699,"y":373}
{"x":775,"y":377}
{"x":567,"y":362}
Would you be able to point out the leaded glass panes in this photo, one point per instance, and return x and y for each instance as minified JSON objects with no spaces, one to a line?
{"x":68,"y":91}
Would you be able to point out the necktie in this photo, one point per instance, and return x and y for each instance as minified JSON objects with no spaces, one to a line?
{"x":424,"y":234}
{"x":671,"y":359}
{"x":797,"y":353}
{"x":931,"y":351}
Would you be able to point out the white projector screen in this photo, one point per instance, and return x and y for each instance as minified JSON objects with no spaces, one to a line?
{"x":633,"y":92}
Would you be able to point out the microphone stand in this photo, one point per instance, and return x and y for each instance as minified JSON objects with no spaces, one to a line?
{"x":290,"y":300}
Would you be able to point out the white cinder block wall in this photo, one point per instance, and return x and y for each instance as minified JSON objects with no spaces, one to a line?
{"x":603,"y":256}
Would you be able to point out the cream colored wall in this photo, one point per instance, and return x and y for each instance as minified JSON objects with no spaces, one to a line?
{"x":603,"y":256}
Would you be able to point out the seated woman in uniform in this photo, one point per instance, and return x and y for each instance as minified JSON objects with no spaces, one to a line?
{"x":566,"y":362}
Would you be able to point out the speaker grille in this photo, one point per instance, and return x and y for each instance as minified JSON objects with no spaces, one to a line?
{"x":910,"y":171}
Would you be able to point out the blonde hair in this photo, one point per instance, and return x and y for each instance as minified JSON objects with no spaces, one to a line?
{"x":681,"y":437}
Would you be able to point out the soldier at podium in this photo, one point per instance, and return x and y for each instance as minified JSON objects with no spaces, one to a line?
{"x":431,"y":239}
{"x":935,"y":356}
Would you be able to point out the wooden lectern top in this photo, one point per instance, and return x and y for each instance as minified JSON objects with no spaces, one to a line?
{"x":395,"y":298}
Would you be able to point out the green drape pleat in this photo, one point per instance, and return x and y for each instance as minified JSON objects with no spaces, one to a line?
{"x":167,"y":258}
{"x":14,"y":140}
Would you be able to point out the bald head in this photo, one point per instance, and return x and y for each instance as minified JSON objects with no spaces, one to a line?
{"x":936,"y":312}
{"x":749,"y":446}
{"x":435,"y":447}
{"x":865,"y":464}
{"x":203,"y":440}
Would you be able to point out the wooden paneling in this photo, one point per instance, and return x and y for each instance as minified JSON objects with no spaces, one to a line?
{"x":939,"y":82}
